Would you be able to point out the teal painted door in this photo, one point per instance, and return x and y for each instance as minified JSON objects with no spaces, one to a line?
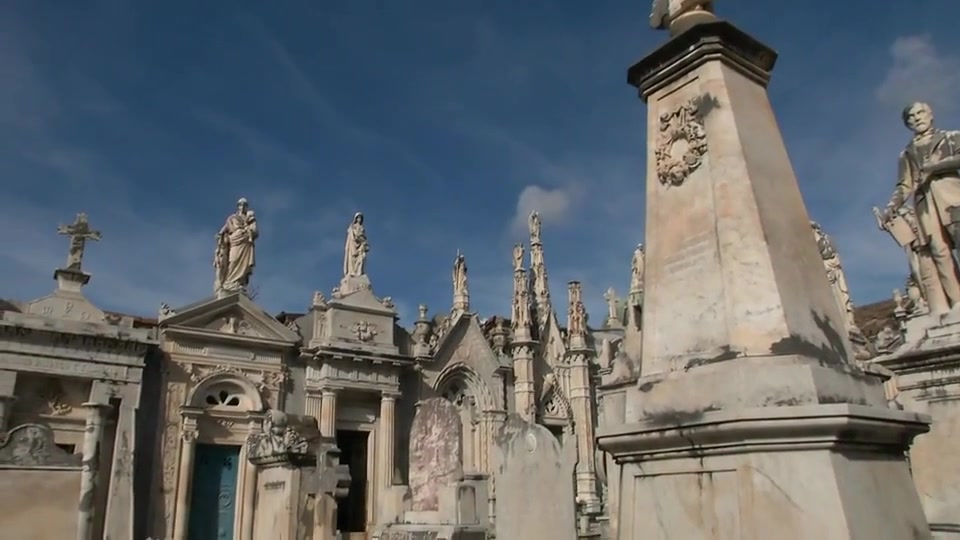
{"x":213,"y":499}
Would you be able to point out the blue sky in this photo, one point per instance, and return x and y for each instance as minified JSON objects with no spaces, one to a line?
{"x":442,"y":121}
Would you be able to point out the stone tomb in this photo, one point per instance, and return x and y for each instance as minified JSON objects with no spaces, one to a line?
{"x":70,"y":390}
{"x":443,"y":502}
{"x":535,"y":482}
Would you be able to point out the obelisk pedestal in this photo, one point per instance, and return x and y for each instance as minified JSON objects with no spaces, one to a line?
{"x":750,"y":419}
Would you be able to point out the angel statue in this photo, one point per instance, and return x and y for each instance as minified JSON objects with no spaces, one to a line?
{"x":234,"y":257}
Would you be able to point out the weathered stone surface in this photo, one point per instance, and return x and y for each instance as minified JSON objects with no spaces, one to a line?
{"x":31,"y":445}
{"x":534,"y":474}
{"x":39,"y":504}
{"x":435,"y":451}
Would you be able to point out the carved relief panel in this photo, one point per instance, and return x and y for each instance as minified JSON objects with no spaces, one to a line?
{"x":681,"y":143}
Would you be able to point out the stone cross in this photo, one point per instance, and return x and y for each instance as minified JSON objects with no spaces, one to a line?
{"x":79,"y":232}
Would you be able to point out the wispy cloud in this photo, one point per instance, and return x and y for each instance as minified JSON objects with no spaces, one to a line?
{"x":920,"y":72}
{"x":553,"y":206}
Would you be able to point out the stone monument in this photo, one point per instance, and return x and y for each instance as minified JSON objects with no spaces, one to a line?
{"x":461,"y":293}
{"x":923,"y":355}
{"x":750,"y":416}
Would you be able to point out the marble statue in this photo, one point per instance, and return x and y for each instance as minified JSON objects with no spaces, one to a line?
{"x":356,"y":248}
{"x":235,"y":253}
{"x":636,"y":269}
{"x":460,"y":274}
{"x":534,"y":223}
{"x":678,"y":15}
{"x":79,"y":232}
{"x":517,"y":257}
{"x":836,"y":276}
{"x":929,"y":174}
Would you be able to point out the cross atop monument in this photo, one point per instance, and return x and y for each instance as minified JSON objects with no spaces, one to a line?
{"x":79,"y":232}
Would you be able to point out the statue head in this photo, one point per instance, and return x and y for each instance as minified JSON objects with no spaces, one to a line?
{"x":918,"y":117}
{"x":278,"y":422}
{"x":358,"y":218}
{"x":242,"y":205}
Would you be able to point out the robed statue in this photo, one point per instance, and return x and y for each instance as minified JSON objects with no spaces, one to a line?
{"x":356,"y":248}
{"x":836,"y":276}
{"x":460,"y":274}
{"x":234,"y":256}
{"x":534,"y":225}
{"x":679,"y":15}
{"x":517,"y":257}
{"x":636,"y":269}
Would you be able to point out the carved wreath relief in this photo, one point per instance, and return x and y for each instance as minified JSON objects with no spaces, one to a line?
{"x":681,"y":145}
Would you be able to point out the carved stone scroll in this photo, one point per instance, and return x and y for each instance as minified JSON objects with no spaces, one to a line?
{"x":682,"y":143}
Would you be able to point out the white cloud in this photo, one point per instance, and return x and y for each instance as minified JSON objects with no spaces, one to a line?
{"x":553,"y":205}
{"x":920,"y":73}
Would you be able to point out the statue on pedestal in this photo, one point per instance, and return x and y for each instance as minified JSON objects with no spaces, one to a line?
{"x":679,"y":15}
{"x":636,"y":270}
{"x":460,"y":275}
{"x":234,"y":256}
{"x":929,"y":174}
{"x":356,"y":248}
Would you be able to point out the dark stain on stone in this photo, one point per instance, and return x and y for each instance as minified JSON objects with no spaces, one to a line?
{"x":648,"y":385}
{"x":706,"y":104}
{"x":678,"y":418}
{"x":725,"y":354}
{"x":832,"y":353}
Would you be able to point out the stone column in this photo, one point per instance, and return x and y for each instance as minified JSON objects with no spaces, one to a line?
{"x":119,"y":517}
{"x":328,"y":411}
{"x":581,"y":403}
{"x":522,"y":348}
{"x":249,"y":488}
{"x":181,"y":512}
{"x":93,"y":432}
{"x":313,"y":404}
{"x":386,"y":442}
{"x":8,"y":383}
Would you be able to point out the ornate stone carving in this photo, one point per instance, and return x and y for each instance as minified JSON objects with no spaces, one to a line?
{"x":277,"y":443}
{"x":318,"y":299}
{"x":79,"y":232}
{"x":681,"y":144}
{"x":836,"y":276}
{"x":356,"y":248}
{"x":520,"y":315}
{"x":189,"y":435}
{"x":364,"y":330}
{"x":32,"y":445}
{"x":234,"y":258}
{"x":387,"y":302}
{"x":577,"y":313}
{"x":165,"y":312}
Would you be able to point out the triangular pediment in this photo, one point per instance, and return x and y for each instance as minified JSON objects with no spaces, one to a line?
{"x":235,"y":314}
{"x":65,"y":305}
{"x":466,"y":344}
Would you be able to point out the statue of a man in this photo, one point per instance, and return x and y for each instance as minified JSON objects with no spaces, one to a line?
{"x":517,"y":257}
{"x":234,"y":258}
{"x":929,"y":173}
{"x":460,"y":274}
{"x":636,"y":269}
{"x":356,"y":248}
{"x":836,"y":276}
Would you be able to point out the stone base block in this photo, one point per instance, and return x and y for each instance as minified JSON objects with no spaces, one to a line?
{"x":818,"y":471}
{"x":430,"y":532}
{"x":677,"y":397}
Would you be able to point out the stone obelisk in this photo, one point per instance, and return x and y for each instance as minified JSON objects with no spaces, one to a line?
{"x":750,"y":418}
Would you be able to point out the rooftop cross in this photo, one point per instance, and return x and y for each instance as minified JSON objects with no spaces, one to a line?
{"x":79,"y":232}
